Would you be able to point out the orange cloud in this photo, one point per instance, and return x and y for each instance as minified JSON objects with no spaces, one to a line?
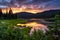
{"x":22,"y":9}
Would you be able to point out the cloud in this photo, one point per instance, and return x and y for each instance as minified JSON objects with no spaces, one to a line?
{"x":52,"y":4}
{"x":27,"y":1}
{"x":40,"y":1}
{"x":43,"y":4}
{"x":2,"y":1}
{"x":3,"y":6}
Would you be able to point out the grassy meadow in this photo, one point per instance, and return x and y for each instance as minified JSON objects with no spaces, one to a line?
{"x":11,"y":22}
{"x":8,"y":32}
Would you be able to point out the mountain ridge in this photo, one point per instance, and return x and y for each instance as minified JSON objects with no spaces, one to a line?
{"x":45,"y":14}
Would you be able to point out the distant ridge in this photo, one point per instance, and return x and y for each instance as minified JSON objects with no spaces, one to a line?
{"x":48,"y":14}
{"x":45,"y":14}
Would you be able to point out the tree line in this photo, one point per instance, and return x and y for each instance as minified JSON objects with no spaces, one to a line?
{"x":7,"y":15}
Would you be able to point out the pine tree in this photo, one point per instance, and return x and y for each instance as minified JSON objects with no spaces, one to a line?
{"x":10,"y":13}
{"x":1,"y":14}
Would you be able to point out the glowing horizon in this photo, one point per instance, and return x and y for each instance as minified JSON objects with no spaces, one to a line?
{"x":22,"y":9}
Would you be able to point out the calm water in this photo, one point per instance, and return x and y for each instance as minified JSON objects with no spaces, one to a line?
{"x":36,"y":24}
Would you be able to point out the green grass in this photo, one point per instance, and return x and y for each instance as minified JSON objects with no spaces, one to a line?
{"x":11,"y":22}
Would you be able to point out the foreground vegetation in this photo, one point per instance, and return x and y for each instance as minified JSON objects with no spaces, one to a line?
{"x":11,"y":22}
{"x":9,"y":32}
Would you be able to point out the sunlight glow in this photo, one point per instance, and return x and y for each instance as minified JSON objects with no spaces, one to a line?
{"x":35,"y":26}
{"x":22,"y":9}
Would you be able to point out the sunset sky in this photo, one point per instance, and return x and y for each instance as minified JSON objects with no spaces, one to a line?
{"x":30,"y":5}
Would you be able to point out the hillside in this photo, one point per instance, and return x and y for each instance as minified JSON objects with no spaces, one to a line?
{"x":45,"y":14}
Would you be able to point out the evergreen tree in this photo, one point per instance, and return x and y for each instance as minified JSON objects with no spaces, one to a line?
{"x":1,"y":14}
{"x":10,"y":13}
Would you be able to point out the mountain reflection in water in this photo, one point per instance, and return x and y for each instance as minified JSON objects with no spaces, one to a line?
{"x":35,"y":26}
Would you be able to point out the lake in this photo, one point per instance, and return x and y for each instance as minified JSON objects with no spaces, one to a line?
{"x":36,"y":24}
